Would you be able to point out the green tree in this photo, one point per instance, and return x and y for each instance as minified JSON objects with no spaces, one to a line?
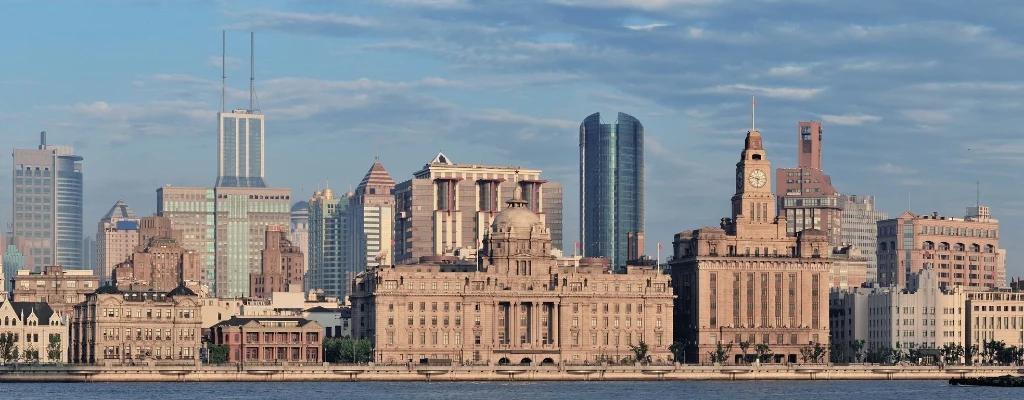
{"x":30,"y":355}
{"x":218,"y":354}
{"x":744,"y":346}
{"x":640,"y":351}
{"x":53,"y":348}
{"x":764,"y":353}
{"x":973,"y":354}
{"x":1010,"y":355}
{"x":720,"y":353}
{"x":838,"y":353}
{"x":678,"y":351}
{"x":347,"y":350}
{"x":818,"y":353}
{"x":857,"y":347}
{"x":8,"y":350}
{"x":952,"y":353}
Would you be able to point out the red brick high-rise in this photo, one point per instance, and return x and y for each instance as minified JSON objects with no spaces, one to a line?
{"x":283,"y":265}
{"x":805,"y":194}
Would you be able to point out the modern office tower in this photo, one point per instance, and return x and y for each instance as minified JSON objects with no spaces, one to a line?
{"x":860,"y":228}
{"x":242,"y":216}
{"x":326,"y":242}
{"x":611,"y":185}
{"x":48,"y":205}
{"x":281,"y":268}
{"x":240,"y":149}
{"x":117,"y":233}
{"x":191,"y":211}
{"x":299,"y":230}
{"x":805,"y":193}
{"x":748,"y":280}
{"x":369,"y":221}
{"x":447,"y":207}
{"x":962,"y":251}
{"x":226,"y":226}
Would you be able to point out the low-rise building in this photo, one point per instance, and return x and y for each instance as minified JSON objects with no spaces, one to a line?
{"x":925,"y":315}
{"x":61,"y":288}
{"x":337,"y":321}
{"x":995,"y":317}
{"x":270,"y":339}
{"x":132,"y":325}
{"x":38,"y":332}
{"x":849,"y":268}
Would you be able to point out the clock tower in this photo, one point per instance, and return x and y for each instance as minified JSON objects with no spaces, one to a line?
{"x":753,"y":206}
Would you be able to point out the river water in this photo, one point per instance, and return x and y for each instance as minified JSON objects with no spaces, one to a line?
{"x":698,"y":390}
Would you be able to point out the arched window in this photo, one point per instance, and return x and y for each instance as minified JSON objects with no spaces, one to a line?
{"x":944,"y":246}
{"x":883,"y":247}
{"x":976,"y":248}
{"x":929,"y":245}
{"x":960,"y":247}
{"x":989,"y":248}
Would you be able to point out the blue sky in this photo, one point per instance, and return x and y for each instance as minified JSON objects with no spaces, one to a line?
{"x":919,"y":99}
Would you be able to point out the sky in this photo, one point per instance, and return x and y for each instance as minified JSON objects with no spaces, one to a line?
{"x":920,"y":100}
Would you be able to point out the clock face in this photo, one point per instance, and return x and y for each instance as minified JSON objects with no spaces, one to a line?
{"x":758,"y":178}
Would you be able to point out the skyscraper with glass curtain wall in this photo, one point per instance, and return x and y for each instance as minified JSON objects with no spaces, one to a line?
{"x":611,"y":185}
{"x":240,"y":149}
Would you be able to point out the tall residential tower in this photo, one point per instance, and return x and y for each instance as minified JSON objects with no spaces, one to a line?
{"x":805,"y":193}
{"x":860,"y":228}
{"x":611,"y":185}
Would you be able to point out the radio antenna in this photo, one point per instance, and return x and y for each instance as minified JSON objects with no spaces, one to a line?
{"x":223,"y":69}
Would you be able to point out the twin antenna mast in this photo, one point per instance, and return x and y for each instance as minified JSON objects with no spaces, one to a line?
{"x":253,"y":99}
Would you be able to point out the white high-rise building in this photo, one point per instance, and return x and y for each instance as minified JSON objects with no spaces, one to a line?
{"x":240,"y":147}
{"x":369,"y":222}
{"x":117,"y":233}
{"x":299,"y":231}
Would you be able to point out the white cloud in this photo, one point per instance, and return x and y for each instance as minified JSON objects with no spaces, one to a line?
{"x":850,"y":119}
{"x":649,"y":5}
{"x":890,"y":168}
{"x":926,"y":117}
{"x":774,"y":92}
{"x":788,"y":70}
{"x":648,"y":27}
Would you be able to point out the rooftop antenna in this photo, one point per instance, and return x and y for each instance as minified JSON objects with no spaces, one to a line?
{"x":753,"y":105}
{"x":223,"y":69}
{"x":252,"y":70}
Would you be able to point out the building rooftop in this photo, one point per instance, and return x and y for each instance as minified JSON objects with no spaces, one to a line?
{"x":120,"y":210}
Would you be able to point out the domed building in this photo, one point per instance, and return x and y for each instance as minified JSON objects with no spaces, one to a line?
{"x":515,"y":305}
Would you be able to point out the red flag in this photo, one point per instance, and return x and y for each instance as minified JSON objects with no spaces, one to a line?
{"x":753,"y":100}
{"x":659,"y":246}
{"x":577,"y":244}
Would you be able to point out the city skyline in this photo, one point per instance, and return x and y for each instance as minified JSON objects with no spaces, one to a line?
{"x":877,"y":79}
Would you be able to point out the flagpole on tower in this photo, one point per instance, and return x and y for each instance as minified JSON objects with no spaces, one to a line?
{"x":657,"y":263}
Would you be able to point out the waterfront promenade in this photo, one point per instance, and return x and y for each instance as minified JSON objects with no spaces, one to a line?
{"x":340,"y":372}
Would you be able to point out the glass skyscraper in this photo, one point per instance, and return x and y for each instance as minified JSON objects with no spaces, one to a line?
{"x":240,"y":148}
{"x":48,"y":205}
{"x":611,"y":185}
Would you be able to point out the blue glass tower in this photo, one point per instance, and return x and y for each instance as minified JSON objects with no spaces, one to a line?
{"x":611,"y":185}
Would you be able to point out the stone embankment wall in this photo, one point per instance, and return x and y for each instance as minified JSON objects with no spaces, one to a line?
{"x":335,"y":372}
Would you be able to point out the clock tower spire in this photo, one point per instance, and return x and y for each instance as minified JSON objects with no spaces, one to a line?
{"x":753,"y":205}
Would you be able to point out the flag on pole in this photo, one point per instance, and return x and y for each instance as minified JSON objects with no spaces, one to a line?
{"x":754,"y":100}
{"x":659,"y":246}
{"x":577,"y":244}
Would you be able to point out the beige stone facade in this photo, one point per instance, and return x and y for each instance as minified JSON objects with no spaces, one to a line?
{"x":963,"y":251}
{"x":36,"y":329}
{"x":123,"y":326}
{"x":517,"y":306}
{"x":54,"y":285}
{"x":995,"y":316}
{"x":747,"y":280}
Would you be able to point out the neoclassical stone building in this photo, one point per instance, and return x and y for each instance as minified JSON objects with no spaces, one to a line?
{"x":37,"y":329}
{"x":747,"y":280}
{"x":516,"y":305}
{"x":118,"y":326}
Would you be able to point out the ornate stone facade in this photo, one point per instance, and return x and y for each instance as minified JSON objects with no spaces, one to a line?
{"x":747,"y":280}
{"x":39,"y":333}
{"x":517,"y":305}
{"x":114,"y":325}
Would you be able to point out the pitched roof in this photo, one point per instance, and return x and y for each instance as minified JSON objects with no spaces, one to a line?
{"x":120,"y":210}
{"x":241,"y":321}
{"x":376,"y":176}
{"x":26,"y":308}
{"x":181,"y":290}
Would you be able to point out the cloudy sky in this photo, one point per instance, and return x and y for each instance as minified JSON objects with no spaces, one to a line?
{"x":919,"y":99}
